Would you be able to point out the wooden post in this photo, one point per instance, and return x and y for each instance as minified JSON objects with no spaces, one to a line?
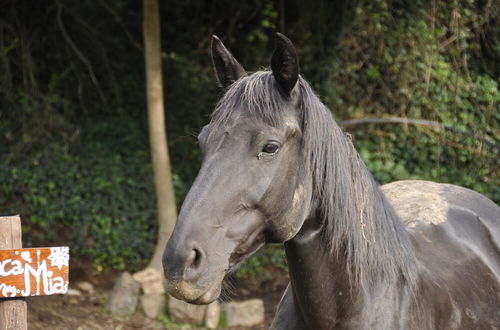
{"x":13,"y":311}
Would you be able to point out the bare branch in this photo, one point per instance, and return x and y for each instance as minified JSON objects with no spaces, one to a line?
{"x":78,"y":52}
{"x":418,"y":122}
{"x":118,"y":20}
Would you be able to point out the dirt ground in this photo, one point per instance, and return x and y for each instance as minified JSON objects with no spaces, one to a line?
{"x":88,"y":311}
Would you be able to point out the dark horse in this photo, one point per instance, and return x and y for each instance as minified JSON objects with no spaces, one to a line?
{"x":277,"y":168}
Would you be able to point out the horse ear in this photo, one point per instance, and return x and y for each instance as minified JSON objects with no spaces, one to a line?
{"x":226,"y":67}
{"x":285,"y":64}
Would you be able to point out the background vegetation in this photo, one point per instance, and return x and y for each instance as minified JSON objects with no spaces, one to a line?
{"x":74,"y":158}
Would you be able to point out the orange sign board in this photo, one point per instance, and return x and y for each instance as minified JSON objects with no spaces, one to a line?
{"x":34,"y":272}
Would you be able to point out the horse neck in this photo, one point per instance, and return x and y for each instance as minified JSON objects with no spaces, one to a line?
{"x":326,"y":293}
{"x":319,"y":296}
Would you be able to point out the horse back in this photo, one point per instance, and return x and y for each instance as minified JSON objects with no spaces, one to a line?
{"x":455,"y":233}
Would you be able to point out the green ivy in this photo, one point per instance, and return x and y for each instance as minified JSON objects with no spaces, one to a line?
{"x":258,"y":265}
{"x":100,"y":201}
{"x":399,"y":60}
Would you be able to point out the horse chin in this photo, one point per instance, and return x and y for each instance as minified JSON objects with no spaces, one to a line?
{"x":209,"y":296}
{"x":193,"y":293}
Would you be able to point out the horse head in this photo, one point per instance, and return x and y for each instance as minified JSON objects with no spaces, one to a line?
{"x":252,"y":187}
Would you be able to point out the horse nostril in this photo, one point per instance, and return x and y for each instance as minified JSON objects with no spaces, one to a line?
{"x":197,"y":258}
{"x":194,"y":259}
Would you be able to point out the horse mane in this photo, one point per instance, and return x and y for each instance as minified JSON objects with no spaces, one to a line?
{"x":358,"y":220}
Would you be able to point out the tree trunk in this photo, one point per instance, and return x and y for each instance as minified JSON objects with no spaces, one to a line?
{"x":165,"y":198}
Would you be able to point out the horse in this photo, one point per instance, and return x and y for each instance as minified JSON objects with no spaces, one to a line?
{"x":277,"y":168}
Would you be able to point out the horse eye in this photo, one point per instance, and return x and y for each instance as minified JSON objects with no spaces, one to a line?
{"x":270,"y":148}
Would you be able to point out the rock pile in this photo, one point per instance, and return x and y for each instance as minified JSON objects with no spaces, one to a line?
{"x":125,"y":297}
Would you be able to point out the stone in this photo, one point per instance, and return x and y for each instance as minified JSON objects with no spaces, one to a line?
{"x":152,"y":281}
{"x":85,"y":287}
{"x":124,"y":297}
{"x":244,"y":313}
{"x":184,"y":312}
{"x":73,"y":292}
{"x":212,"y":315}
{"x":153,"y":287}
{"x":153,"y":304}
{"x":147,"y":274}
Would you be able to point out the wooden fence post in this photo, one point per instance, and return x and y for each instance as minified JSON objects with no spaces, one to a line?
{"x":13,"y":311}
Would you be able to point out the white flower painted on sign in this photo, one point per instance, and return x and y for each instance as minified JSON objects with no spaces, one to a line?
{"x":59,"y":257}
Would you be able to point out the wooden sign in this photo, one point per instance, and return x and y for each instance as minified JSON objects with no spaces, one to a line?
{"x":34,"y":272}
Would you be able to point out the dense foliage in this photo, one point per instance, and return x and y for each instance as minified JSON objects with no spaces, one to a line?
{"x":73,"y":134}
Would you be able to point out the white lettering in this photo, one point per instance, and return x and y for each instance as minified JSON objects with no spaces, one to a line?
{"x":58,"y":285}
{"x":3,"y":265}
{"x":17,"y":267}
{"x":28,"y":270}
{"x":6,"y":289}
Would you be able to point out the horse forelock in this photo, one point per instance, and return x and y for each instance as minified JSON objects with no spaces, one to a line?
{"x":358,"y":220}
{"x":256,"y":95}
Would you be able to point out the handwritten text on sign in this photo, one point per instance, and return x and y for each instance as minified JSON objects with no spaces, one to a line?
{"x":34,"y":272}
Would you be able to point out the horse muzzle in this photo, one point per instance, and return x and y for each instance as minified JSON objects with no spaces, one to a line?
{"x":187,"y":275}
